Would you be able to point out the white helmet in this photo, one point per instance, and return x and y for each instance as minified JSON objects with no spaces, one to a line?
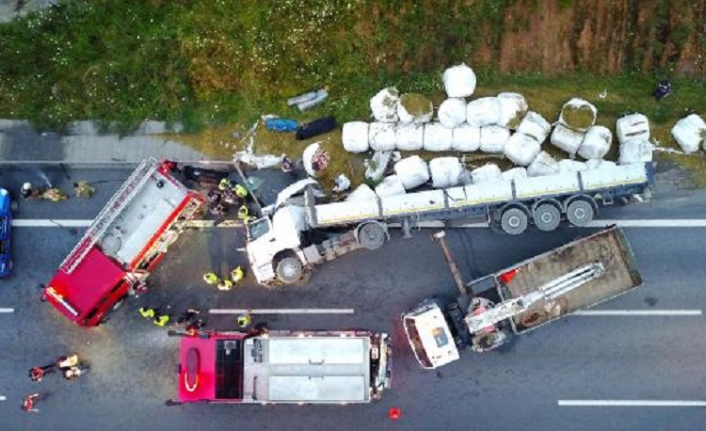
{"x":26,"y":186}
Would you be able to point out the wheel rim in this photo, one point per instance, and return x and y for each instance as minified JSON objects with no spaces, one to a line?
{"x":371,"y":236}
{"x":580,"y":213}
{"x":514,"y":221}
{"x":547,"y":217}
{"x":289,"y":270}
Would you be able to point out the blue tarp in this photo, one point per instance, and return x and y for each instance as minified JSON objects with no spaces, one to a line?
{"x":281,"y":125}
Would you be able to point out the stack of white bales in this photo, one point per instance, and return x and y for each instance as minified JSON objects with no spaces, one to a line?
{"x":633,"y":135}
{"x":690,"y":133}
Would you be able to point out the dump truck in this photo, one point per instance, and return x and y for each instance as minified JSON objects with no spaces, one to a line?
{"x":268,"y":367}
{"x":301,"y":230}
{"x":492,"y":309}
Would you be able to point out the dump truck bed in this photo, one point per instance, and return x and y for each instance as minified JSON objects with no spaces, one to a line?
{"x":609,"y":247}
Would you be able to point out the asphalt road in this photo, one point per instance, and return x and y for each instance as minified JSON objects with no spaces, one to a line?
{"x":581,"y":357}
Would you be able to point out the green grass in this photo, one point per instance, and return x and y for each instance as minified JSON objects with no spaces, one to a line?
{"x":217,"y":66}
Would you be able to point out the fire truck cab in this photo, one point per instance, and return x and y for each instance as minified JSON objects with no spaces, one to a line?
{"x":124,"y":243}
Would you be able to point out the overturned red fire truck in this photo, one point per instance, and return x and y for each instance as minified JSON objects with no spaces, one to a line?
{"x":125,"y":242}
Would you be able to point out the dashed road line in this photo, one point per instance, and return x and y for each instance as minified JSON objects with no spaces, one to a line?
{"x":282,"y":311}
{"x":2,"y":398}
{"x":7,"y":310}
{"x":631,"y":403}
{"x":638,"y":313}
{"x":644,"y":223}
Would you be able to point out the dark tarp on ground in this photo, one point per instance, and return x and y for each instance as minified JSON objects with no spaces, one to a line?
{"x":316,"y":127}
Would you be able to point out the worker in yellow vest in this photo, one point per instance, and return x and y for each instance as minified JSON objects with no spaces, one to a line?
{"x":211,"y":278}
{"x":244,"y":214}
{"x":240,"y":191}
{"x":237,"y":274}
{"x":244,"y":321}
{"x":224,"y":184}
{"x":147,"y":313}
{"x":161,"y":319}
{"x":225,"y":285}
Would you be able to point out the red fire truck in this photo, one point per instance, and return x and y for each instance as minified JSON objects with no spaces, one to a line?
{"x":123,"y":244}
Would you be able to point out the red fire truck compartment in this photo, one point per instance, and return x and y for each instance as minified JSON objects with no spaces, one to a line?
{"x":85,"y":285}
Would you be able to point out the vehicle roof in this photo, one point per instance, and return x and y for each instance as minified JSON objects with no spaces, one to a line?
{"x":146,"y":213}
{"x":311,"y":368}
{"x":429,"y":320}
{"x":86,"y":285}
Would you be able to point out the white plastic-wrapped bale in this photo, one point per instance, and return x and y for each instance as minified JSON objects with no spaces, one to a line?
{"x":452,"y":112}
{"x":378,"y":165}
{"x":535,"y":126}
{"x":445,"y":171}
{"x":578,"y":114}
{"x":567,"y":139}
{"x":596,"y":143}
{"x":382,"y":136}
{"x":459,"y":81}
{"x":412,"y":171}
{"x":410,"y":137}
{"x":483,"y":112}
{"x":362,"y":193}
{"x":515,"y":174}
{"x":355,"y":136}
{"x":567,"y":165}
{"x":690,"y":133}
{"x":437,"y":137}
{"x":466,"y":138}
{"x":543,"y":164}
{"x":513,"y":108}
{"x":633,"y":126}
{"x":466,"y":178}
{"x":634,"y":151}
{"x":384,"y":105}
{"x":521,"y":149}
{"x":493,"y":139}
{"x":415,"y":108}
{"x":390,"y":186}
{"x":600,"y":164}
{"x":489,"y":173}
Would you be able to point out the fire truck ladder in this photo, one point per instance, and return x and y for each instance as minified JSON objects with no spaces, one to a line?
{"x":110,"y":212}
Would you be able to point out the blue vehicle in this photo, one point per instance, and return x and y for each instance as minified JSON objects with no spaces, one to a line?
{"x":6,"y":208}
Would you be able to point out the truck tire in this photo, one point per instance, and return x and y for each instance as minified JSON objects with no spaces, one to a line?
{"x":289,"y":270}
{"x":547,"y":217}
{"x":513,"y":221}
{"x":371,"y":236}
{"x":579,"y":212}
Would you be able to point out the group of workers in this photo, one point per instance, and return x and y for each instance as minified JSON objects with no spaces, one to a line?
{"x":225,"y":283}
{"x":155,"y":315}
{"x":70,"y":367}
{"x":82,"y":189}
{"x":229,"y":193}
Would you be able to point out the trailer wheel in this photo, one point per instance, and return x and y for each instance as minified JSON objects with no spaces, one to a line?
{"x":371,"y":236}
{"x":579,"y":212}
{"x":514,"y":221}
{"x":546,"y":217}
{"x":289,"y":270}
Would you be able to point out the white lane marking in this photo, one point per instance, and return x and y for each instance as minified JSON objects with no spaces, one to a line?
{"x":593,"y":224}
{"x":86,"y":223}
{"x":7,"y":310}
{"x":282,"y":310}
{"x":655,"y":223}
{"x":638,"y":313}
{"x":631,"y":403}
{"x":2,"y":398}
{"x":50,"y":223}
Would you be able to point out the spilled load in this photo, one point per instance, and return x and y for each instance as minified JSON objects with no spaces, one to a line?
{"x":415,"y":108}
{"x":690,"y":133}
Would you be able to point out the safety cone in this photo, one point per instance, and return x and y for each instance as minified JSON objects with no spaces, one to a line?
{"x":395,"y":413}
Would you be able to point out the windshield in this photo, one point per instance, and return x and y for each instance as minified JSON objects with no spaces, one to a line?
{"x":258,"y":228}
